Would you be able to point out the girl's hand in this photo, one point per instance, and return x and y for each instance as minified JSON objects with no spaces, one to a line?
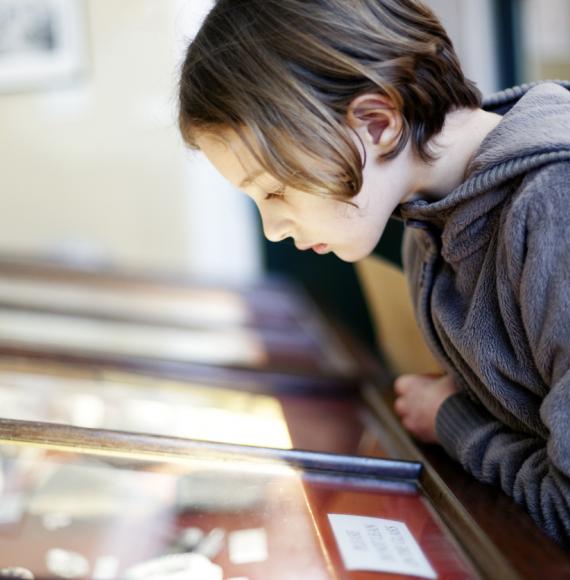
{"x":418,"y":399}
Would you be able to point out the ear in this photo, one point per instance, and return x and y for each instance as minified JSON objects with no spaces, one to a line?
{"x":376,"y":119}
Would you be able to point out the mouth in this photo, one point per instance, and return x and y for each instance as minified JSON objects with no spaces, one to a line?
{"x":318,"y":248}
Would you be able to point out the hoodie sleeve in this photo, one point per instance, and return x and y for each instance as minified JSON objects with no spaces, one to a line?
{"x":523,"y":466}
{"x":533,"y":470}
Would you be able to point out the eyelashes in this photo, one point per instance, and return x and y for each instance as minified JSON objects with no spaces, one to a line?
{"x":279,"y":193}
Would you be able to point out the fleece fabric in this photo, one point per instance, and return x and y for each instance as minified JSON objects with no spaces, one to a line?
{"x":489,"y":272}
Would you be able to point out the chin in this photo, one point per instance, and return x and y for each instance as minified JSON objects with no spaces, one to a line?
{"x":352,"y":255}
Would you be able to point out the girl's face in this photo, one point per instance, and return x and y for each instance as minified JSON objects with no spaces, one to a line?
{"x":314,"y":221}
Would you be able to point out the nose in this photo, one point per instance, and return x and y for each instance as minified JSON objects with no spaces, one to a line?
{"x":275,"y":228}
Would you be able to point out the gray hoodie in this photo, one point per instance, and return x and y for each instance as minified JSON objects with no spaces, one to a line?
{"x":489,"y":273}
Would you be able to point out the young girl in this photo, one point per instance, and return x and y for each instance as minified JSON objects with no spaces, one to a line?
{"x":332,"y":116}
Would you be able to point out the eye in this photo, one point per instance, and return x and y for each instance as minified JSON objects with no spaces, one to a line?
{"x":278,"y":193}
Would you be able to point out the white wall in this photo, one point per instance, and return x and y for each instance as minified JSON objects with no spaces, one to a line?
{"x":98,"y":169}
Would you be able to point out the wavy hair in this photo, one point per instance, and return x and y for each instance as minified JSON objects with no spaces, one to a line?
{"x":282,"y":74}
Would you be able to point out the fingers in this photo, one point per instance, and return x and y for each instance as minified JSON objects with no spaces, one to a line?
{"x":409,"y":425}
{"x":418,"y":398}
{"x":400,"y":406}
{"x":405,"y":383}
{"x":403,"y":386}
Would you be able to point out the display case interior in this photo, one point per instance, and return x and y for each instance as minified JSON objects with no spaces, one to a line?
{"x":71,"y":510}
{"x":144,"y":447}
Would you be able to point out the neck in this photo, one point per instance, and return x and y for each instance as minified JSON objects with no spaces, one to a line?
{"x":454,"y":147}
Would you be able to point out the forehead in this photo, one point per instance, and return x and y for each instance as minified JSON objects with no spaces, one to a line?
{"x":229,"y":155}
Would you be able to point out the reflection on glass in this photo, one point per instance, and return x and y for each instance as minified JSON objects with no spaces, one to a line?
{"x":109,"y":338}
{"x":167,"y":305}
{"x":72,"y":514}
{"x":84,"y":516}
{"x":144,"y":405}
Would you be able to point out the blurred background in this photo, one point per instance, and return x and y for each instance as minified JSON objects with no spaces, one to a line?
{"x":93,"y":171}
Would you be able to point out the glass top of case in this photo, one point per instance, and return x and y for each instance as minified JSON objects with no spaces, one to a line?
{"x":68,"y":513}
{"x":143,"y":404}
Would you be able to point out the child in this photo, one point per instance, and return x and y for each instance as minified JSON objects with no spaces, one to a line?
{"x":332,"y":115}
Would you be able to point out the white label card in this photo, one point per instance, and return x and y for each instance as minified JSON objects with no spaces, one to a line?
{"x":247,"y":546}
{"x":379,"y":545}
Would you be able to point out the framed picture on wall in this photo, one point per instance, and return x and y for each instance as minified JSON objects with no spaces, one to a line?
{"x":42,"y":43}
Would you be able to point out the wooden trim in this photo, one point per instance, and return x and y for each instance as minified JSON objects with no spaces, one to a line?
{"x":477,"y":545}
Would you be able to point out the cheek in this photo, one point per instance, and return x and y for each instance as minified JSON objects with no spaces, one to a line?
{"x":326,"y":219}
{"x":328,"y":222}
{"x":355,"y":221}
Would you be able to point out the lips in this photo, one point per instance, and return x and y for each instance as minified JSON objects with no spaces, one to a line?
{"x":318,"y":248}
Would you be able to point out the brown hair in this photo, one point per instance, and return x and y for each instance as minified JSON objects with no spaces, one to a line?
{"x":287,"y":71}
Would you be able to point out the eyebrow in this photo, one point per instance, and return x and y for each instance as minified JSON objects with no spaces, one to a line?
{"x":248,"y":180}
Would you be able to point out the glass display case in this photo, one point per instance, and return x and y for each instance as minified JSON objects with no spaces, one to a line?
{"x":112,"y":468}
{"x":178,"y":326}
{"x":80,"y":504}
{"x":141,"y":404}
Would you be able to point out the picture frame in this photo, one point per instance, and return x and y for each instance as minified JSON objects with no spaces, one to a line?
{"x":42,"y":43}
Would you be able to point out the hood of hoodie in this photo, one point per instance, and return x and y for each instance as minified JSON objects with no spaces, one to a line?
{"x":535,"y":130}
